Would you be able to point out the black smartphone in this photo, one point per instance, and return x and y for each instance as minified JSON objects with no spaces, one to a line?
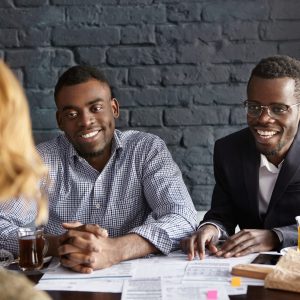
{"x":266,"y":259}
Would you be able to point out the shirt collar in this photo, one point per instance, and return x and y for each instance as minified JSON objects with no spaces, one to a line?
{"x":73,"y":154}
{"x":268,"y":165}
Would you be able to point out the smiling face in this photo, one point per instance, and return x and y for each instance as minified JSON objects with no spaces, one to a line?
{"x":86,"y":113}
{"x":273,"y":137}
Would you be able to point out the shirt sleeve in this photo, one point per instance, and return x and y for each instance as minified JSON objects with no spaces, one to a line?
{"x":14,"y":213}
{"x":173,"y":215}
{"x":218,"y":228}
{"x":287,"y":235}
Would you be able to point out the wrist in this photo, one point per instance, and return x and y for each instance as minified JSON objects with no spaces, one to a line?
{"x":277,"y":239}
{"x":117,"y":251}
{"x":212,"y":228}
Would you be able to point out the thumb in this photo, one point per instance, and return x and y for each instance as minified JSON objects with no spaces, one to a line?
{"x":212,"y":247}
{"x":71,"y":225}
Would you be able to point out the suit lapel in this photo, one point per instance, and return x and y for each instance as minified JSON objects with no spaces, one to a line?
{"x":251,"y":162}
{"x":289,"y":167}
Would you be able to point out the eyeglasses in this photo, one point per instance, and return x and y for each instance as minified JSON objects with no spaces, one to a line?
{"x":275,"y":110}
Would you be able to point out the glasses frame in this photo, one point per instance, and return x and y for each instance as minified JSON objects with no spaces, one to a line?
{"x":267,"y":107}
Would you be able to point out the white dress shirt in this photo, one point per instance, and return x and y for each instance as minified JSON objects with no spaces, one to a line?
{"x":268,"y":174}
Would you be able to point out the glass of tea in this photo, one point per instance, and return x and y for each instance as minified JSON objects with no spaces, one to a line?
{"x":298,"y":224}
{"x":32,"y":248}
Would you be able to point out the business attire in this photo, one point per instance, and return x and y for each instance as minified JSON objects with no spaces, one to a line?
{"x":140,"y":190}
{"x":236,"y":194}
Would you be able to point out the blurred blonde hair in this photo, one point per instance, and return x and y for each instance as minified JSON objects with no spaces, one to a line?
{"x":21,"y":166}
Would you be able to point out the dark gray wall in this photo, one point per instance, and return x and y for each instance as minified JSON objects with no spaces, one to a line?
{"x":179,"y":68}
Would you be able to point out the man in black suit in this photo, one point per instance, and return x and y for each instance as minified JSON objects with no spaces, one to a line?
{"x":257,"y":170}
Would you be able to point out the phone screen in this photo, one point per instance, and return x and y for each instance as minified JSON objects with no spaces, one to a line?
{"x":266,"y":259}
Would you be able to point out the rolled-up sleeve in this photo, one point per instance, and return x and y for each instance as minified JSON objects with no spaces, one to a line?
{"x":173,"y":215}
{"x":14,"y":213}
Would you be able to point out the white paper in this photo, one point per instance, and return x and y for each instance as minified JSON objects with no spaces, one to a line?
{"x":207,"y":271}
{"x":120,"y":271}
{"x":175,"y":290}
{"x":106,"y":280}
{"x":215,"y":273}
{"x":172,"y":265}
{"x":142,"y":289}
{"x":83,"y":285}
{"x":175,"y":267}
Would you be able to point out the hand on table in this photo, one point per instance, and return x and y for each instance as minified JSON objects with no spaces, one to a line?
{"x":84,"y":248}
{"x":249,"y":241}
{"x":205,"y":236}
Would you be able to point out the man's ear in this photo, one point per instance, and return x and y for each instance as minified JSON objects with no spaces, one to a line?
{"x":58,"y":120}
{"x":115,"y":107}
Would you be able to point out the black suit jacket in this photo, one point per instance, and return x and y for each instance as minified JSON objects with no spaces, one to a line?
{"x":235,"y":196}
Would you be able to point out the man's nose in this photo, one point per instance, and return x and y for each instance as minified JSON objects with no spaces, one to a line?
{"x":86,"y":119}
{"x":265,"y":115}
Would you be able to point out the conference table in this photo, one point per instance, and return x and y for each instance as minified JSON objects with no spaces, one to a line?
{"x":253,"y":293}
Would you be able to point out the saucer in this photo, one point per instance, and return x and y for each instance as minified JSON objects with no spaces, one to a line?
{"x":50,"y":264}
{"x":47,"y":259}
{"x":285,"y":250}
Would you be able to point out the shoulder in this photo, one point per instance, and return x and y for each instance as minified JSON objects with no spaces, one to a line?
{"x":235,"y":140}
{"x":139,"y":139}
{"x":53,"y":148}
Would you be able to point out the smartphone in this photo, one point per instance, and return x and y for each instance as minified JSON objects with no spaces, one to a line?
{"x":266,"y":259}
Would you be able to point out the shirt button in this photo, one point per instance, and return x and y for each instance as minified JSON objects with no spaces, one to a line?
{"x":97,"y":205}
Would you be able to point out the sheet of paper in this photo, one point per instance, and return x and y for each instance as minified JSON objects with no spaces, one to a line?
{"x":172,"y":265}
{"x":232,"y":261}
{"x":175,"y":290}
{"x":120,"y":271}
{"x":199,"y":275}
{"x":207,"y":271}
{"x":107,"y":280}
{"x":142,"y":289}
{"x":83,"y":285}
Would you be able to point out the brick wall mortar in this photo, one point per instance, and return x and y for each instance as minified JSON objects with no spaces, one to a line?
{"x":178,"y":68}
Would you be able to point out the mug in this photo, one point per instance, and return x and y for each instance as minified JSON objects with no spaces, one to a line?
{"x":32,"y":248}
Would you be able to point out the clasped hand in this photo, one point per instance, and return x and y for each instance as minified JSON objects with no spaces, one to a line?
{"x":84,"y":248}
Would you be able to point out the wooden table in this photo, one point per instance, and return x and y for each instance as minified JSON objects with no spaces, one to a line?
{"x":254,"y":293}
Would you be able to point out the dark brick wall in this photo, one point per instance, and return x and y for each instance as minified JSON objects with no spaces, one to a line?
{"x":179,"y":68}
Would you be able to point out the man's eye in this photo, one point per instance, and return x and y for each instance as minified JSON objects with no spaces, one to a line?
{"x":71,"y":115}
{"x":254,"y":107}
{"x":97,"y":108}
{"x":279,"y":109}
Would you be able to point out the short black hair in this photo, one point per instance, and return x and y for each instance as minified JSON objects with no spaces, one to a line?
{"x":278,"y":66}
{"x":79,"y":74}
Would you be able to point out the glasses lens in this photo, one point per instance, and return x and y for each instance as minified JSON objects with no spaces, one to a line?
{"x":253,"y":109}
{"x":278,"y":109}
{"x":275,"y":110}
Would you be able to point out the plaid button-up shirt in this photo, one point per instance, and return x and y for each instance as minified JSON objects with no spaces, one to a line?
{"x":140,"y":190}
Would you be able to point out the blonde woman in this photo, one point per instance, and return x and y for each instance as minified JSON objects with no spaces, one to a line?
{"x":21,"y":170}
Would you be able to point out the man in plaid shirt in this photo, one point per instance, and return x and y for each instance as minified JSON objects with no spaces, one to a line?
{"x":113,"y":195}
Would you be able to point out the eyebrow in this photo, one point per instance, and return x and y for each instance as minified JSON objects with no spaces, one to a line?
{"x":89,"y":103}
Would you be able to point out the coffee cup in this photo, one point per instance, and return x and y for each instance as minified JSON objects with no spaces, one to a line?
{"x":32,"y":248}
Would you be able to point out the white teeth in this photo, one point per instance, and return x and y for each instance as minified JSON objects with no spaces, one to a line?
{"x":88,"y":135}
{"x":266,"y":134}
